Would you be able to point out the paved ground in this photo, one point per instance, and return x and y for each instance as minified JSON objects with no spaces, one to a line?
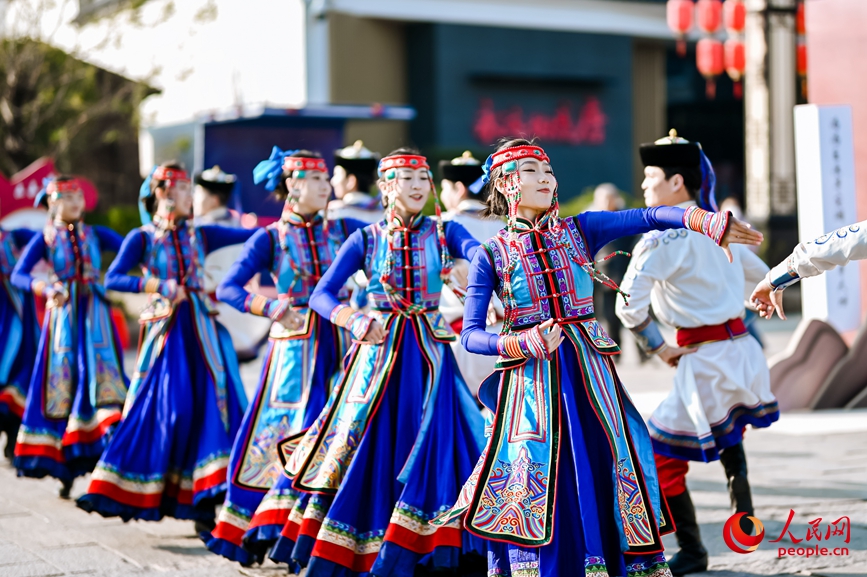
{"x":812,"y":463}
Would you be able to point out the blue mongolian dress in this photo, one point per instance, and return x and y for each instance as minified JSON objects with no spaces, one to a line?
{"x":299,"y":372}
{"x":404,"y":431}
{"x":170,"y":453}
{"x":19,"y":334}
{"x":565,"y":437}
{"x":78,"y":386}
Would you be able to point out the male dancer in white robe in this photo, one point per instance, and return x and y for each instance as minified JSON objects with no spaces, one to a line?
{"x":354,"y":175}
{"x":722,"y":382}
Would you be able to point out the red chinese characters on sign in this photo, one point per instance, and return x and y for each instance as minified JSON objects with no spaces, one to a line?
{"x":563,"y":126}
{"x":839,"y":528}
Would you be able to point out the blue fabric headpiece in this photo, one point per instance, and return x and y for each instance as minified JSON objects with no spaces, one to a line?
{"x":269,"y":171}
{"x":706,"y":196}
{"x":143,"y":194}
{"x":42,"y":195}
{"x":486,"y":173}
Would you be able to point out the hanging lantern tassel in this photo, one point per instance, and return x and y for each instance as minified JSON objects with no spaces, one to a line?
{"x":678,"y":14}
{"x":735,"y":63}
{"x":710,"y":59}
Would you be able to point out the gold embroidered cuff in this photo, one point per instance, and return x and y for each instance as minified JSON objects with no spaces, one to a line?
{"x":152,"y":285}
{"x":342,"y":316}
{"x":38,"y":287}
{"x":257,"y":305}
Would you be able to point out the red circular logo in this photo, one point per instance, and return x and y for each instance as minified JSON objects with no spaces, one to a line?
{"x":735,"y":537}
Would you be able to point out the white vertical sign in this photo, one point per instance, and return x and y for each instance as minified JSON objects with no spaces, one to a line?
{"x":826,"y":201}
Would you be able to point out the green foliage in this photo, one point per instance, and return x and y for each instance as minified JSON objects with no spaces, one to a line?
{"x":49,"y":101}
{"x":119,"y":218}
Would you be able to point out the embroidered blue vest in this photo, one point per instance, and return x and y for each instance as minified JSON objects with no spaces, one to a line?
{"x":306,"y":252}
{"x":416,"y":272}
{"x":547,"y":282}
{"x":73,"y":253}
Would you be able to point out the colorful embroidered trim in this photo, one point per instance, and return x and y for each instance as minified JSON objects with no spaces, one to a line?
{"x":784,"y":274}
{"x":524,"y":345}
{"x":264,"y":307}
{"x":515,"y":153}
{"x":356,"y":322}
{"x":648,"y":336}
{"x":38,"y":287}
{"x":341,"y":314}
{"x":412,"y":161}
{"x":303,"y":163}
{"x":56,"y":188}
{"x":170,"y":174}
{"x":711,"y":224}
{"x":151,"y":285}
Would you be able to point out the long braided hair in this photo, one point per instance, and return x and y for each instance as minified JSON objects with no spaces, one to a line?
{"x":408,"y":158}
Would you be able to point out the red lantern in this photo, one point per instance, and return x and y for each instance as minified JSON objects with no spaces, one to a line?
{"x":802,"y":59}
{"x":679,"y":17}
{"x":734,"y":16}
{"x":708,"y":15}
{"x":736,"y":63}
{"x":710,"y":58}
{"x":800,"y":20}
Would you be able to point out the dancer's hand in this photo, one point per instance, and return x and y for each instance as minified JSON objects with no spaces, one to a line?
{"x":739,"y":232}
{"x":180,"y":296}
{"x":57,"y":297}
{"x":767,"y":300}
{"x":375,"y":334}
{"x":292,"y":319}
{"x":553,"y":337}
{"x":671,"y":355}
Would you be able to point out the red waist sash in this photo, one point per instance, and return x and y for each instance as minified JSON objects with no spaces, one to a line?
{"x":712,"y":333}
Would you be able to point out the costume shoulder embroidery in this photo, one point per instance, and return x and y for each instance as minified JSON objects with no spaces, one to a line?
{"x":839,"y":233}
{"x":656,"y":238}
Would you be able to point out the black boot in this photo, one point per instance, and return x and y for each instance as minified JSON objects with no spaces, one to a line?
{"x":65,"y":489}
{"x":734,"y":461}
{"x":692,"y":557}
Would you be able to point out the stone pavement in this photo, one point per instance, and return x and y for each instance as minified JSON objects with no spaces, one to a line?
{"x":812,"y":463}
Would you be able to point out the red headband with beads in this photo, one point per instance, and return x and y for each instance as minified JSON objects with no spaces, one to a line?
{"x":55,"y":187}
{"x":303,"y":163}
{"x":171,"y":175}
{"x":411,"y":161}
{"x":515,"y":153}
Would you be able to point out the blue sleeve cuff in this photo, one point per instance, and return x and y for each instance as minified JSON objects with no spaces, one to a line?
{"x":648,"y":336}
{"x":783,"y":275}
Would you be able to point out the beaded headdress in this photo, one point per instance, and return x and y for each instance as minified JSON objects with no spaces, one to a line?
{"x":172,"y":177}
{"x":387,"y":171}
{"x":52,"y":188}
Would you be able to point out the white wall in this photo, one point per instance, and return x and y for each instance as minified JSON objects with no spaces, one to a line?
{"x":252,"y":51}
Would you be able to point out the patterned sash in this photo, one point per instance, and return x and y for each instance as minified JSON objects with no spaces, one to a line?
{"x":321,"y":457}
{"x":106,"y":386}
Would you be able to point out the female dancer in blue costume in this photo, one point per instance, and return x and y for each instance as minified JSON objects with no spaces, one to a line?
{"x":19,"y":332}
{"x":169,"y":455}
{"x":403,"y":409}
{"x":78,"y":387}
{"x":565,"y":435}
{"x":304,"y":350}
